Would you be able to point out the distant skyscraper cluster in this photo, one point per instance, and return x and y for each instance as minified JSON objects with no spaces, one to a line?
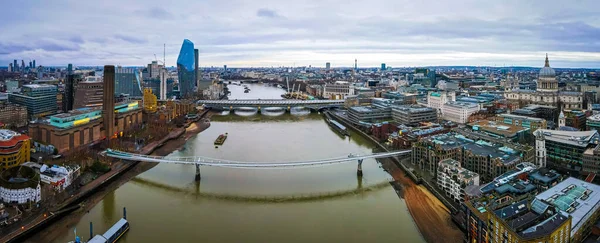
{"x":14,"y":66}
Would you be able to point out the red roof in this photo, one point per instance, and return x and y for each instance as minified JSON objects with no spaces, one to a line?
{"x":13,"y":141}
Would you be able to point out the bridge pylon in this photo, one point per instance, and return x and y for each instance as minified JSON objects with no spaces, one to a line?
{"x":197,"y":172}
{"x":359,"y":172}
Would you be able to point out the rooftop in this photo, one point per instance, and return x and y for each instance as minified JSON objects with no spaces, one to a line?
{"x":9,"y":139}
{"x":36,"y":86}
{"x":77,"y":112}
{"x":533,"y":220}
{"x":6,"y":135}
{"x":459,"y":104}
{"x":575,"y":138}
{"x":505,"y":130}
{"x":480,"y":147}
{"x":575,"y":197}
{"x":523,"y":117}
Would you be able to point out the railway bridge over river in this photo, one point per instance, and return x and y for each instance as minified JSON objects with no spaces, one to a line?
{"x":205,"y":161}
{"x":270,"y":104}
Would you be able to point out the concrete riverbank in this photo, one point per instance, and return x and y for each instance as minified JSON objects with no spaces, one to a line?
{"x":426,"y":209}
{"x":90,"y":194}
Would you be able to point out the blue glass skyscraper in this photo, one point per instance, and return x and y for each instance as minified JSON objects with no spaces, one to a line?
{"x":185,"y":69}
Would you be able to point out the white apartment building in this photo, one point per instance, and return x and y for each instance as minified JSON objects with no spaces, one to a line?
{"x":453,"y":179}
{"x":338,"y":90}
{"x":437,"y":99}
{"x":458,"y":112}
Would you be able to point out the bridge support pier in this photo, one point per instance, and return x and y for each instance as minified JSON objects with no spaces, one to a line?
{"x":197,"y":172}
{"x":359,"y":172}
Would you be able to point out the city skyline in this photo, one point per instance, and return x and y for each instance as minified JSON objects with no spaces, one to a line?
{"x":270,"y":33}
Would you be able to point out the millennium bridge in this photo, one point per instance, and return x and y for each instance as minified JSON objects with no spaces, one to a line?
{"x":281,"y":104}
{"x":206,"y":161}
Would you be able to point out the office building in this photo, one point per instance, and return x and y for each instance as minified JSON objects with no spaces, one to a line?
{"x":186,"y":69}
{"x":197,"y":76}
{"x":564,"y":150}
{"x":14,"y":149}
{"x":526,"y":222}
{"x":593,"y":122}
{"x":484,"y":158}
{"x":89,"y":93}
{"x":13,"y":115}
{"x":458,"y":112}
{"x":413,"y":115}
{"x":591,"y":161}
{"x":532,"y":123}
{"x":574,"y":118}
{"x":40,"y":99}
{"x":327,"y":65}
{"x":437,"y":99}
{"x":578,"y":199}
{"x":539,"y":111}
{"x":383,"y":68}
{"x":10,"y":67}
{"x":498,"y":129}
{"x":153,"y":69}
{"x":368,"y":114}
{"x":338,"y":90}
{"x":108,"y":103}
{"x":34,"y":64}
{"x":15,"y":66}
{"x":20,"y":185}
{"x":453,"y":179}
{"x":547,"y":92}
{"x":128,"y":81}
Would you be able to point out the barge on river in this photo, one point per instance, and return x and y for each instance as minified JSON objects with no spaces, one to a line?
{"x":221,"y":139}
{"x":336,"y":125}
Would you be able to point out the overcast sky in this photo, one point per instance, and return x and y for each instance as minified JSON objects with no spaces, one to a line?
{"x":287,"y":33}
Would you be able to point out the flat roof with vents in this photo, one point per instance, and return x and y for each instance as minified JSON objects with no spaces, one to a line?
{"x":575,"y":197}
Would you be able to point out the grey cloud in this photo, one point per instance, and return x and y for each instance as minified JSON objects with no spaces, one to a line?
{"x":155,"y":13}
{"x":76,"y":39}
{"x":6,"y":49}
{"x":130,"y":39}
{"x":267,"y":13}
{"x":52,"y":46}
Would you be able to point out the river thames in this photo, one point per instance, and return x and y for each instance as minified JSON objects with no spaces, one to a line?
{"x":317,"y":204}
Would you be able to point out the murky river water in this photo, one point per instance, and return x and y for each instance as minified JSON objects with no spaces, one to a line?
{"x":317,"y":204}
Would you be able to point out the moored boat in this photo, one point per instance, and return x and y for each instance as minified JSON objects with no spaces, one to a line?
{"x":221,"y":139}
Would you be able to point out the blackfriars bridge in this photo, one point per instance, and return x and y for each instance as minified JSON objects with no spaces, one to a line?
{"x":205,"y":161}
{"x":281,"y":104}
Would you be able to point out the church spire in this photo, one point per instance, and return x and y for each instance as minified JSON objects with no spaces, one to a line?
{"x":547,"y":62}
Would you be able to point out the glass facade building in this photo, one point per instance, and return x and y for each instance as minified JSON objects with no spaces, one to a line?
{"x":127,"y":81}
{"x":40,"y":99}
{"x":153,"y":84}
{"x":186,"y":68}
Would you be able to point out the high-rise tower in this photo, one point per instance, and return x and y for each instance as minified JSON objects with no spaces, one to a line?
{"x":196,"y":74}
{"x":355,"y":64}
{"x":69,"y":95}
{"x":108,"y":103}
{"x":185,"y":68}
